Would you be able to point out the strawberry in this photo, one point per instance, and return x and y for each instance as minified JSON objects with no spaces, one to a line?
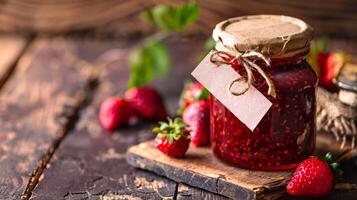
{"x":329,"y":65}
{"x":326,"y":64}
{"x":114,"y":112}
{"x":192,"y":92}
{"x":313,"y":177}
{"x":320,"y":62}
{"x":197,"y":116}
{"x":146,"y":103}
{"x":173,"y":138}
{"x":316,"y":57}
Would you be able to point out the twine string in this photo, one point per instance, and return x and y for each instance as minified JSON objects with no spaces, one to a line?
{"x":247,"y":60}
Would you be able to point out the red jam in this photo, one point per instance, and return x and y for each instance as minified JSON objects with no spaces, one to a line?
{"x":286,"y":134}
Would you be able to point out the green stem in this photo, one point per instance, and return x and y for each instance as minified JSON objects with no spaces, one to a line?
{"x":159,"y":36}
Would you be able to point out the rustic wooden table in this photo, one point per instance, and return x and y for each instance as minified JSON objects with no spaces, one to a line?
{"x":51,"y":144}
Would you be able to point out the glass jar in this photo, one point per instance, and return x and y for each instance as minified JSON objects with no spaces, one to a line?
{"x":286,"y":134}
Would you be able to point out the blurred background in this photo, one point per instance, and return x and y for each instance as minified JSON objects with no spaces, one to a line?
{"x":335,"y":18}
{"x":123,"y":20}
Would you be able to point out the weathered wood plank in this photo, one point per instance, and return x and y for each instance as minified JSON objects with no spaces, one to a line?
{"x":91,"y":162}
{"x":30,"y":104}
{"x":104,"y":173}
{"x":200,"y":168}
{"x":94,"y":166}
{"x":185,"y":192}
{"x":11,"y":48}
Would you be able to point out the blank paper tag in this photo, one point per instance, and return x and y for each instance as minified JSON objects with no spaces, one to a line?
{"x":249,"y":108}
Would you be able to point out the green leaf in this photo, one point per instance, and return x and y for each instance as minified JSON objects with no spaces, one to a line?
{"x":172,"y":129}
{"x":335,"y":165}
{"x":172,"y":18}
{"x":162,"y":16}
{"x":156,"y":130}
{"x":170,"y":138}
{"x":160,"y":58}
{"x":187,"y":14}
{"x":204,"y":94}
{"x":153,"y":59}
{"x":141,"y":71}
{"x":328,"y":157}
{"x":148,"y":62}
{"x":164,"y":126}
{"x":336,"y":169}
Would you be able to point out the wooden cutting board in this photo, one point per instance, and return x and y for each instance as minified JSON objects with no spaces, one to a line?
{"x":200,"y":168}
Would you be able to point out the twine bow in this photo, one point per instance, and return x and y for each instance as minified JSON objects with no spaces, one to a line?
{"x":247,"y":59}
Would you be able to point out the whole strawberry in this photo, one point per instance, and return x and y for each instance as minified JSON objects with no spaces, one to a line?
{"x":329,"y":65}
{"x":172,"y":138}
{"x":114,"y":112}
{"x":326,"y":64}
{"x":146,"y":103}
{"x":313,"y":178}
{"x":192,"y":92}
{"x":197,"y":116}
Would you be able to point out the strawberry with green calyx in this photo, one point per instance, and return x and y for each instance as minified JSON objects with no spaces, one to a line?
{"x":172,"y":138}
{"x":192,"y":92}
{"x":314,"y":177}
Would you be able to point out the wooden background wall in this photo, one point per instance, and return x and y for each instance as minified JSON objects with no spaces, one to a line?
{"x":328,"y":17}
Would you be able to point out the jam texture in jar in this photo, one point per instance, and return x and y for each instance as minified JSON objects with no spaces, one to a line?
{"x":286,"y":134}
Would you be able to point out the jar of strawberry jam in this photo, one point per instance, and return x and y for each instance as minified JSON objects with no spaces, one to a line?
{"x":286,"y":133}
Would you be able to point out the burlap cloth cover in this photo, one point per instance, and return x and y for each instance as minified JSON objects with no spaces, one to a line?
{"x":271,"y":35}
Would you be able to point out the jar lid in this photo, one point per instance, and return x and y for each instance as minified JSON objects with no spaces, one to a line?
{"x":271,"y":35}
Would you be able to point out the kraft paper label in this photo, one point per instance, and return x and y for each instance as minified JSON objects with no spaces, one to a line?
{"x":249,"y":107}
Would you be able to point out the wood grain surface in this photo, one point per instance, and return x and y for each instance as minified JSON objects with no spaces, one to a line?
{"x":200,"y":168}
{"x":91,"y":162}
{"x":331,"y":17}
{"x":185,"y":192}
{"x":31,"y":104}
{"x":37,"y":15}
{"x":38,"y":108}
{"x":11,"y":47}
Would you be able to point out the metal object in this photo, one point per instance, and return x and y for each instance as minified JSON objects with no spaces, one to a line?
{"x":347,"y":82}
